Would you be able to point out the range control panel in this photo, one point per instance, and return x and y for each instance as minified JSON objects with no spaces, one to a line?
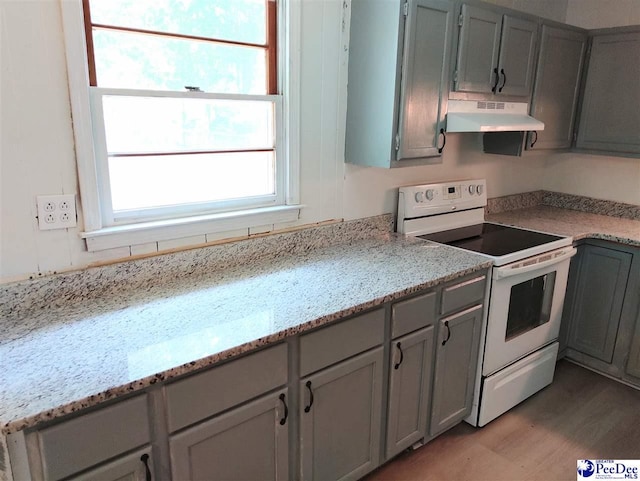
{"x":431,"y":199}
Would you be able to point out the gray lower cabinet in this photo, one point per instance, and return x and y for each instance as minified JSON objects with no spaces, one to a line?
{"x":399,"y":57}
{"x":610,"y":117}
{"x":597,"y":301}
{"x":496,"y":52}
{"x":632,"y":369}
{"x":137,"y":466}
{"x":600,"y":320}
{"x":249,"y":442}
{"x":340,"y":413}
{"x":111,"y":443}
{"x":410,"y":367}
{"x":557,"y":86}
{"x":457,"y":347}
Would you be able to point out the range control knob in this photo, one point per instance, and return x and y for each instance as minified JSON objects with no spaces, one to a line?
{"x":429,"y":194}
{"x":472,"y":189}
{"x":419,"y":196}
{"x":479,"y":189}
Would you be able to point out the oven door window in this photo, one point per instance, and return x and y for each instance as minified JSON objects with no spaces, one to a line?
{"x":530,"y":305}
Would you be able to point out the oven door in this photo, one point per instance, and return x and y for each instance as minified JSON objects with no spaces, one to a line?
{"x":525,"y":307}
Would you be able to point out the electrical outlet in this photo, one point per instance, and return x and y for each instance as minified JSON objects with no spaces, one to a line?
{"x":56,"y":211}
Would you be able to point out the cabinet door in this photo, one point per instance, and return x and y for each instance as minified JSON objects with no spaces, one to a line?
{"x":557,"y":85}
{"x":250,"y":442}
{"x":133,"y":467}
{"x":477,"y":50}
{"x":633,"y":362}
{"x":610,"y":118}
{"x":597,"y":303}
{"x":457,"y":347}
{"x":517,"y":56}
{"x":410,"y":368}
{"x":425,"y":78}
{"x":340,"y":415}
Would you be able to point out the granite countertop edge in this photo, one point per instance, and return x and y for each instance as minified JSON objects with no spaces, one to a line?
{"x":115,"y":392}
{"x":578,"y":225}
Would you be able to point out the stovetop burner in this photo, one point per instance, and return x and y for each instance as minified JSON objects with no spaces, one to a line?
{"x":491,"y":239}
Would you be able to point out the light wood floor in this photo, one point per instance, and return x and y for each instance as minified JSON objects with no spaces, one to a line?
{"x":582,"y":415}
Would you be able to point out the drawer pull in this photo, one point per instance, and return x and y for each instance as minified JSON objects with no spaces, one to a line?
{"x":145,"y":459}
{"x":308,"y":408}
{"x":286,"y":410}
{"x":397,"y":365}
{"x":446,"y":324}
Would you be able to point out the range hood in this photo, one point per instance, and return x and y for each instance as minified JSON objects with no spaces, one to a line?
{"x":489,"y":116}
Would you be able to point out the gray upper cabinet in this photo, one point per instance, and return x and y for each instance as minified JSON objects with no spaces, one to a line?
{"x":610,"y":114}
{"x":424,"y":80}
{"x":517,"y":56}
{"x":496,"y":53}
{"x":399,"y":57}
{"x":478,"y":50}
{"x":557,"y":86}
{"x":340,"y":411}
{"x":249,"y":442}
{"x":457,"y":347}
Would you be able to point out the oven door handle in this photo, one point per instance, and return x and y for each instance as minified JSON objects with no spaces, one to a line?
{"x":502,"y":272}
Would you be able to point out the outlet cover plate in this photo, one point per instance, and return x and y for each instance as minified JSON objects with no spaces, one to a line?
{"x":56,"y":211}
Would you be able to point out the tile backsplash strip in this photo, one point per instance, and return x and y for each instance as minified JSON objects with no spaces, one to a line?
{"x":591,"y":205}
{"x":130,"y":277}
{"x":564,"y":201}
{"x":514,"y":202}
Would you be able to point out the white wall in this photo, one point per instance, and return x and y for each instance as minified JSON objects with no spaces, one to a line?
{"x":552,"y":9}
{"x":37,"y":152}
{"x":603,"y":13}
{"x":610,"y":178}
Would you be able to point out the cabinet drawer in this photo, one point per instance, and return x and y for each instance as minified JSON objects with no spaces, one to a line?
{"x":202,"y":395}
{"x":463,"y":294}
{"x":412,"y":314}
{"x":85,"y":441}
{"x":340,"y":341}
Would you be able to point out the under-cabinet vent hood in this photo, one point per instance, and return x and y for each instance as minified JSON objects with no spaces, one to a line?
{"x":489,"y":116}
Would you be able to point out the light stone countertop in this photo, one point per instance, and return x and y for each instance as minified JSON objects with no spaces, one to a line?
{"x":577,"y":224}
{"x":76,"y":352}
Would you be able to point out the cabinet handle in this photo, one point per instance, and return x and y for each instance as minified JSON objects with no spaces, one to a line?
{"x":145,"y":459}
{"x":504,"y":80}
{"x":397,"y":365}
{"x":286,"y":409}
{"x":444,"y":141}
{"x":446,"y":324}
{"x":535,"y":139}
{"x":308,"y":408}
{"x":495,"y":85}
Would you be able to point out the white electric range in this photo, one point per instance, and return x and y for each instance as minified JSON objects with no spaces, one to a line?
{"x":527,"y":289}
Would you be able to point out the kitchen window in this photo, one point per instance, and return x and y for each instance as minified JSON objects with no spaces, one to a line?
{"x":189,"y":112}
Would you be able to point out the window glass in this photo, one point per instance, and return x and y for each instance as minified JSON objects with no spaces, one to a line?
{"x":530,"y":305}
{"x":155,"y":124}
{"x":155,"y":181}
{"x":163,"y":150}
{"x":238,"y":20}
{"x":142,"y":61}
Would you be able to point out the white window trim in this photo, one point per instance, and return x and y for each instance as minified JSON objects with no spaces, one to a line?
{"x":97,"y":235}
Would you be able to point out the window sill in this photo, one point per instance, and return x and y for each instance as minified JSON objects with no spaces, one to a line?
{"x":162,"y":230}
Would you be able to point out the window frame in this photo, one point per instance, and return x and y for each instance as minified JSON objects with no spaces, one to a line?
{"x":110,"y":218}
{"x":97,"y":233}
